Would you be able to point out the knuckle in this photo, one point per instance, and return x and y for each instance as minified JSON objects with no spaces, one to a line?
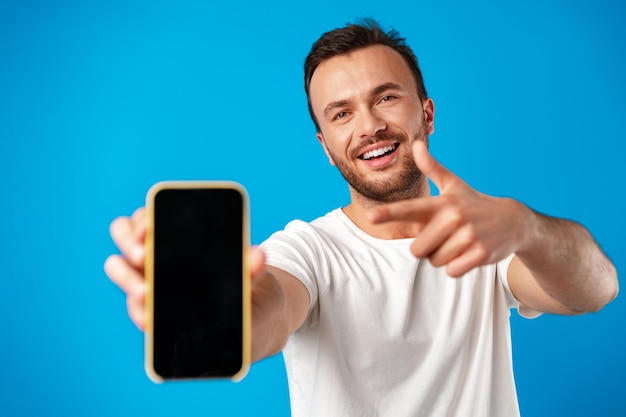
{"x":481,"y":253}
{"x":112,"y":267}
{"x":119,"y":228}
{"x":453,"y":211}
{"x":418,"y":250}
{"x":124,"y":276}
{"x":450,"y":200}
{"x":139,"y":219}
{"x":108,"y":264}
{"x":468,"y":235}
{"x":139,"y":214}
{"x":455,"y":272}
{"x":139,"y":289}
{"x":455,"y":216}
{"x":136,"y":312}
{"x":114,"y":226}
{"x":436,"y":260}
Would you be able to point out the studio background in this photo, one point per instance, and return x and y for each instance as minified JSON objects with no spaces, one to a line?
{"x":101,"y":99}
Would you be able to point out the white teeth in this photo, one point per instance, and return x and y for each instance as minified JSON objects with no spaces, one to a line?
{"x":377,"y":152}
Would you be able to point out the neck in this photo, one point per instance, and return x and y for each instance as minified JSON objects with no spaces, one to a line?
{"x":359,"y":207}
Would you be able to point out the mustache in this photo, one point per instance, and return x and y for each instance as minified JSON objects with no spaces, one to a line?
{"x":379,"y":137}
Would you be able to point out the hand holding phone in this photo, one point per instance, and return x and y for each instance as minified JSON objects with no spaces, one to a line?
{"x":198,"y":297}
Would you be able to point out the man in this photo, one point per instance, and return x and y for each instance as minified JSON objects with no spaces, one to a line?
{"x":398,"y":303}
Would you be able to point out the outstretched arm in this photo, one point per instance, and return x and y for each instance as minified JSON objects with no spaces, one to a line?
{"x":558,"y":267}
{"x":279,"y":306}
{"x":559,"y":260}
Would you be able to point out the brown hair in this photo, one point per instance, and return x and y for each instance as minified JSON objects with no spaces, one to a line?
{"x":350,"y":38}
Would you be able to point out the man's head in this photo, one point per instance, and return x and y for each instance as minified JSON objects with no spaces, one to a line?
{"x":367,"y":99}
{"x":353,"y":37}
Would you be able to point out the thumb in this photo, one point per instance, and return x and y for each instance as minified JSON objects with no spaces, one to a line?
{"x":257,"y":260}
{"x":441,"y":176}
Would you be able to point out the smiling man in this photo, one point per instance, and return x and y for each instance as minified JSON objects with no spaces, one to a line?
{"x":371,"y":114}
{"x":398,"y":303}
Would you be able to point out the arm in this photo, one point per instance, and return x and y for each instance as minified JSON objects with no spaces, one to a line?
{"x":279,"y":306}
{"x":279,"y":300}
{"x":558,"y":267}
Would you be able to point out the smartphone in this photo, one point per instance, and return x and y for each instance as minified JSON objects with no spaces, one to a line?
{"x":197,"y":275}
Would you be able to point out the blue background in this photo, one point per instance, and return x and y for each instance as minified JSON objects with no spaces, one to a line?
{"x":100,"y":99}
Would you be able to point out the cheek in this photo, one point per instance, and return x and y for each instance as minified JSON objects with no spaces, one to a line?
{"x":416,"y":124}
{"x":405,"y":118}
{"x":329,"y":145}
{"x":338,"y":141}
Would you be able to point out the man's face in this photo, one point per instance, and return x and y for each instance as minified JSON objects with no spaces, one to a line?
{"x":369,"y":114}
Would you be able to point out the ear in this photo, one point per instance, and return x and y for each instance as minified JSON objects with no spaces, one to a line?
{"x":322,"y":142}
{"x":429,"y":114}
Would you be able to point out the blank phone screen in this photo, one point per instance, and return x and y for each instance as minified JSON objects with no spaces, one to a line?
{"x":198,"y":238}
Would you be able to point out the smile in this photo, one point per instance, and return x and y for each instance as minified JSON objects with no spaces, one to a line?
{"x":376,"y":153}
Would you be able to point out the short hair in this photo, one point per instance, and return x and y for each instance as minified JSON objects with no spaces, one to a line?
{"x":353,"y":37}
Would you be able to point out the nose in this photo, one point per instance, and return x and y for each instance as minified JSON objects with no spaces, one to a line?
{"x":370,"y":123}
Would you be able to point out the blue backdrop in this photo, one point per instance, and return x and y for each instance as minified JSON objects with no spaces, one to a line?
{"x":100,"y":99}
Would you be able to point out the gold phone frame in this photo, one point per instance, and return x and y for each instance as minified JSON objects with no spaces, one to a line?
{"x":149,"y":276}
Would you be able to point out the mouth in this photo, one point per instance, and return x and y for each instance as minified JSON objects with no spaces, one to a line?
{"x":379,"y":152}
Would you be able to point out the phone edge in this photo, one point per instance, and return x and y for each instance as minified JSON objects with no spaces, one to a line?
{"x":149,"y":276}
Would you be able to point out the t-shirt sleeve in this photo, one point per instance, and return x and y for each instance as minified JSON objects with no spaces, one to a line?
{"x":502,"y":268}
{"x":296,"y":250}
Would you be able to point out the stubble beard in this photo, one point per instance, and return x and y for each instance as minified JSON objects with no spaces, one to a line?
{"x":407,"y":183}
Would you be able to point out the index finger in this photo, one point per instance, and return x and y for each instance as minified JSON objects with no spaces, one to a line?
{"x":418,"y":210}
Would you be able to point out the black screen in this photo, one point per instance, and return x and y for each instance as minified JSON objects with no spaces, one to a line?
{"x":198,"y":282}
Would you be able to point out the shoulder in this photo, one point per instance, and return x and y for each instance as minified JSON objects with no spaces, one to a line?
{"x":301,"y":243}
{"x":329,"y":226}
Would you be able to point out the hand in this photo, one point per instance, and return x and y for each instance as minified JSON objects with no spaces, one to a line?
{"x":127,"y":270}
{"x":461,"y":228}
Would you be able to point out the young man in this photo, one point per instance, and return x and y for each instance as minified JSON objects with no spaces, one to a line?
{"x":397,"y":304}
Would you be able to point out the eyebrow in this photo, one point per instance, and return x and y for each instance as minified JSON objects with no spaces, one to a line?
{"x":376,"y":91}
{"x":334,"y":105}
{"x":385,"y":87}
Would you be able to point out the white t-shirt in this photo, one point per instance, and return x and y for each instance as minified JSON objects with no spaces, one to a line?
{"x":390,"y":335}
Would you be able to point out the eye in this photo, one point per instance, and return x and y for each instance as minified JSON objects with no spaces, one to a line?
{"x":386,"y":99}
{"x":340,"y":115}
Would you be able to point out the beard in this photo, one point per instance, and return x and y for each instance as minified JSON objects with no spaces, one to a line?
{"x":407,"y":183}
